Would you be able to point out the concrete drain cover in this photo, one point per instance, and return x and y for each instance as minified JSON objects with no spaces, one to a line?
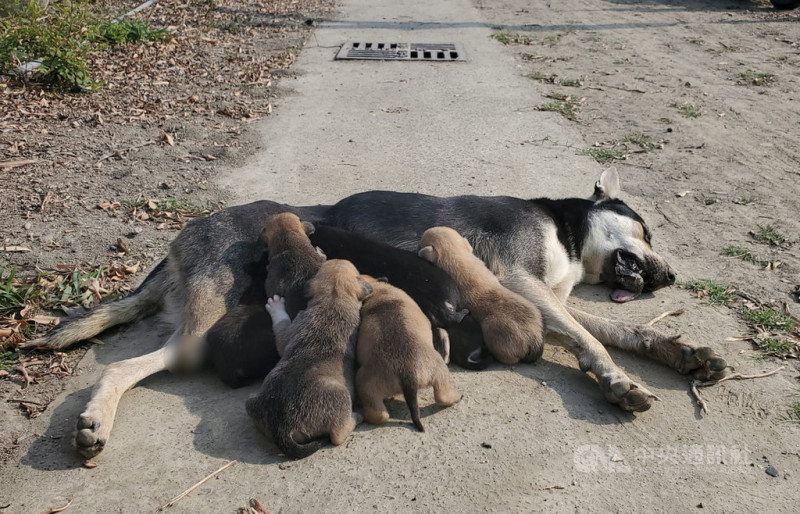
{"x":359,"y":50}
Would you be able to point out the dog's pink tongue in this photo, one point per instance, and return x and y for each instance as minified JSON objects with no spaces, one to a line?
{"x":622,"y":296}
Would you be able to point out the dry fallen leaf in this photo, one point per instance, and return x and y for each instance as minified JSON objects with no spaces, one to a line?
{"x":167,"y":138}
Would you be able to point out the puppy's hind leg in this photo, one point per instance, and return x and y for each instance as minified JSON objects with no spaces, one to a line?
{"x":94,"y":424}
{"x":370,"y":391}
{"x":443,"y":391}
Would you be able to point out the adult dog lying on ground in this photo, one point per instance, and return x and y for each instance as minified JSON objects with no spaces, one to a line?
{"x":512,"y":327}
{"x":538,"y":248}
{"x":310,"y":393}
{"x":395,"y":354}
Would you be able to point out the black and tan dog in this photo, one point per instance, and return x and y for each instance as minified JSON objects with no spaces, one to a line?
{"x":512,"y":327}
{"x":309,"y":394}
{"x":396,"y":355}
{"x":538,"y":248}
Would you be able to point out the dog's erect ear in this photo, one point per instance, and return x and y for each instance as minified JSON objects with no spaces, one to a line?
{"x":607,"y":187}
{"x":319,"y":251}
{"x":308,"y":227}
{"x":428,"y":253}
{"x":382,"y":279}
{"x":366,"y":289}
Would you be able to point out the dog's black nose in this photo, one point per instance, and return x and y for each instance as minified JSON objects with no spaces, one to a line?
{"x":671,"y":276}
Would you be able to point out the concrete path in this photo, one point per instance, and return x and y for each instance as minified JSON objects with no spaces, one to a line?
{"x":511,"y":444}
{"x":438,"y":128}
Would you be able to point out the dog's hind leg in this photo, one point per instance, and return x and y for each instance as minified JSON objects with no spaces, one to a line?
{"x":146,"y":300}
{"x":94,"y":424}
{"x":686,"y":357}
{"x":592,"y":356}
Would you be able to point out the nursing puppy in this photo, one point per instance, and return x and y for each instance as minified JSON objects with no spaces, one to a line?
{"x":431,"y":288}
{"x":293,"y":260}
{"x":309,"y":393}
{"x":512,"y":327}
{"x":396,"y":354}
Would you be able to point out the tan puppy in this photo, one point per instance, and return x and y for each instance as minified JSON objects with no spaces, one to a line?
{"x":512,"y":327}
{"x":309,"y":393}
{"x":396,"y":354}
{"x":293,"y":260}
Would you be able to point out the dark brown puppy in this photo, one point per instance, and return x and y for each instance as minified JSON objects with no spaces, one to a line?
{"x":293,"y":260}
{"x":309,"y":393}
{"x":512,"y":326}
{"x":396,"y":354}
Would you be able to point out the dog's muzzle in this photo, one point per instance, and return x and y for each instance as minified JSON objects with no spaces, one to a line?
{"x":629,"y":275}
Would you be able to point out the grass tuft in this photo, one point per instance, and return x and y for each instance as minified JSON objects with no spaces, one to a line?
{"x":741,"y":253}
{"x":645,"y":142}
{"x":512,"y":39}
{"x":687,"y":110}
{"x":755,"y":78}
{"x":605,"y":154}
{"x":768,"y":235}
{"x":775,"y":347}
{"x":769,"y":319}
{"x":717,"y":294}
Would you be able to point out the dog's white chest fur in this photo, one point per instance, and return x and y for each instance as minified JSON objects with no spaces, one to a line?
{"x":561,"y":273}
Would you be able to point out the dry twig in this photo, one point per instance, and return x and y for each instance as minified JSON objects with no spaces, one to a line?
{"x":198,"y":484}
{"x":665,"y":315}
{"x":700,"y":402}
{"x":736,"y":376}
{"x":57,"y":509}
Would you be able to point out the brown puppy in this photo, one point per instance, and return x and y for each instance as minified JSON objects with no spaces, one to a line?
{"x":396,"y":354}
{"x":309,"y":393}
{"x":512,"y":327}
{"x":293,"y":260}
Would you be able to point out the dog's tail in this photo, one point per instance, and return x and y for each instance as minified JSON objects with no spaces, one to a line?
{"x":288,"y":445}
{"x":146,"y":300}
{"x":409,"y":385}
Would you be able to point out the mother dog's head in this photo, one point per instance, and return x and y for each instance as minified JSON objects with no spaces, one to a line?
{"x":616,"y":247}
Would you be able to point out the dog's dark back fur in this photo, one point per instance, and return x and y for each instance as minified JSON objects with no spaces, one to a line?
{"x":431,"y":288}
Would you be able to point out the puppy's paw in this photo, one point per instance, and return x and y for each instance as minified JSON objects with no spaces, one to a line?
{"x":276,"y":305}
{"x":701,"y":362}
{"x":92,"y":435}
{"x":626,"y":393}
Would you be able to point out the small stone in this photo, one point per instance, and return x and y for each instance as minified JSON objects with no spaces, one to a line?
{"x":771,"y":471}
{"x":284,"y":465}
{"x":486,"y":445}
{"x":89,"y":464}
{"x":700,"y":505}
{"x":27,"y":226}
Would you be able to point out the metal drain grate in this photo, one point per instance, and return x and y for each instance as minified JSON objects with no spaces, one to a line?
{"x":359,"y":50}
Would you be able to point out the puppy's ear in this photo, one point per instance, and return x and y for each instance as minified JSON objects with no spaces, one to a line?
{"x":382,"y":279}
{"x":607,"y":187}
{"x":308,"y":227}
{"x":428,"y":253}
{"x":366,"y":289}
{"x":319,"y":251}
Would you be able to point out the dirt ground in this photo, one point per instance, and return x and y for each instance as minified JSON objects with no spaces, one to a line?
{"x":714,"y":85}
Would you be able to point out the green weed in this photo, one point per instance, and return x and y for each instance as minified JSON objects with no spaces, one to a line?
{"x":755,"y":78}
{"x":717,"y":294}
{"x":605,"y":154}
{"x":769,"y":319}
{"x":644,"y":142}
{"x":768,"y":235}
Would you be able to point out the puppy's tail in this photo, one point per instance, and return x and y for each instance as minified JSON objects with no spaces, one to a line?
{"x":146,"y":300}
{"x":410,"y":394}
{"x":286,"y":442}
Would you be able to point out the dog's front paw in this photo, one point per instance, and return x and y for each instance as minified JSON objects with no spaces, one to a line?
{"x":276,"y":305}
{"x":92,"y":435}
{"x":701,"y":362}
{"x":626,"y":393}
